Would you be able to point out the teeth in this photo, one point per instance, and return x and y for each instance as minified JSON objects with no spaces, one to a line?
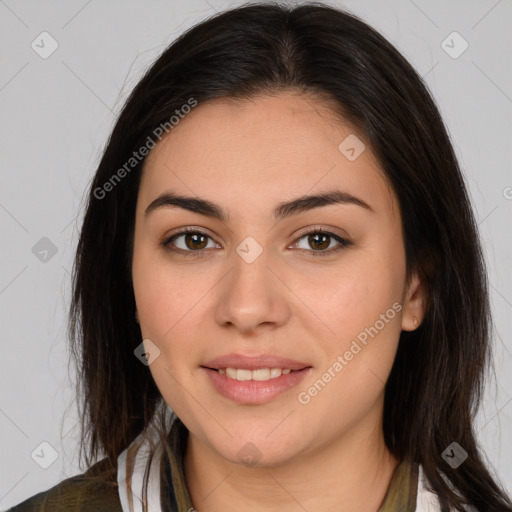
{"x":259,"y":374}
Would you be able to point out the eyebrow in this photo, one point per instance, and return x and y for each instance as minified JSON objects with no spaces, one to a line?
{"x":281,"y":211}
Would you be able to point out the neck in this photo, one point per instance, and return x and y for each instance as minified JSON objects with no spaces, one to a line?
{"x":354,"y":469}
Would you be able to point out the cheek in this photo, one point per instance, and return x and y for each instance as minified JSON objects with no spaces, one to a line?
{"x":170,"y":301}
{"x":165,"y":298}
{"x":352,"y":296}
{"x":361,"y":305}
{"x":163,"y":293}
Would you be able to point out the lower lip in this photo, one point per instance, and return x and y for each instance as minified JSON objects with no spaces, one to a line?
{"x":254,"y":392}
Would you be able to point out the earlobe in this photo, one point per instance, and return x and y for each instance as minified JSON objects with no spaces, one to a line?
{"x":414,"y":305}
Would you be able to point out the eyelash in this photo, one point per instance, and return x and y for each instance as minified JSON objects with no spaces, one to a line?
{"x":202,"y":252}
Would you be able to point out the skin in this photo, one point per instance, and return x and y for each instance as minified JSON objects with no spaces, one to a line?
{"x":247,"y":157}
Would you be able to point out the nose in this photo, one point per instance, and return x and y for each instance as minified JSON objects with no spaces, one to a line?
{"x":251,"y":296}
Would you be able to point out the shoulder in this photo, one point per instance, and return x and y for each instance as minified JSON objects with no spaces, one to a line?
{"x":95,"y":490}
{"x":428,"y":501}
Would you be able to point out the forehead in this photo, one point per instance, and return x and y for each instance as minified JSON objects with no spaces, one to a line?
{"x":253,"y":153}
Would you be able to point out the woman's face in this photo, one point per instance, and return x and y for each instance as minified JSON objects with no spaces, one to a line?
{"x":264,"y":283}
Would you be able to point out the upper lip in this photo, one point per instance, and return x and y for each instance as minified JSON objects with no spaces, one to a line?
{"x":253,"y":362}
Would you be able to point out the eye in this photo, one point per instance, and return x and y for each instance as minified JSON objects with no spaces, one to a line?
{"x":195,"y":242}
{"x":321,"y":240}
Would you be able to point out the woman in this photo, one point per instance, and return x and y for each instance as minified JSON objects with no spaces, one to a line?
{"x":280,"y":299}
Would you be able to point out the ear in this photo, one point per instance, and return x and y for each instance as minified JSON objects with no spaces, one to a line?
{"x":136,"y":316}
{"x":414,"y":304}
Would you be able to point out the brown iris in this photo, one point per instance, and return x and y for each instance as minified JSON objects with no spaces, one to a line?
{"x":313,"y":240}
{"x":195,"y":239}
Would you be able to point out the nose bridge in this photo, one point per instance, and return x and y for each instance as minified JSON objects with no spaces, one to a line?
{"x":251,"y":294}
{"x":251,"y":261}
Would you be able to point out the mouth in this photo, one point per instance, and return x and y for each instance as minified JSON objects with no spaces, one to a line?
{"x":259,"y":374}
{"x":254,"y":386}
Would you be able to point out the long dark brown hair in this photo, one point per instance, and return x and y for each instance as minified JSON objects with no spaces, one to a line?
{"x":435,"y":385}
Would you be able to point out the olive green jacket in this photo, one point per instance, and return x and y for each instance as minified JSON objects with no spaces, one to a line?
{"x":79,"y":493}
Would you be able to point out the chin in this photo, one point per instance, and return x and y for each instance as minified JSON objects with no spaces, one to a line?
{"x":259,"y":451}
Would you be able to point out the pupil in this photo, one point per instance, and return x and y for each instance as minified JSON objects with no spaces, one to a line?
{"x":196,"y":240}
{"x":316,"y":240}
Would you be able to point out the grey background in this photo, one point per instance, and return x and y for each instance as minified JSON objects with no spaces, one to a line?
{"x":56,"y":114}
